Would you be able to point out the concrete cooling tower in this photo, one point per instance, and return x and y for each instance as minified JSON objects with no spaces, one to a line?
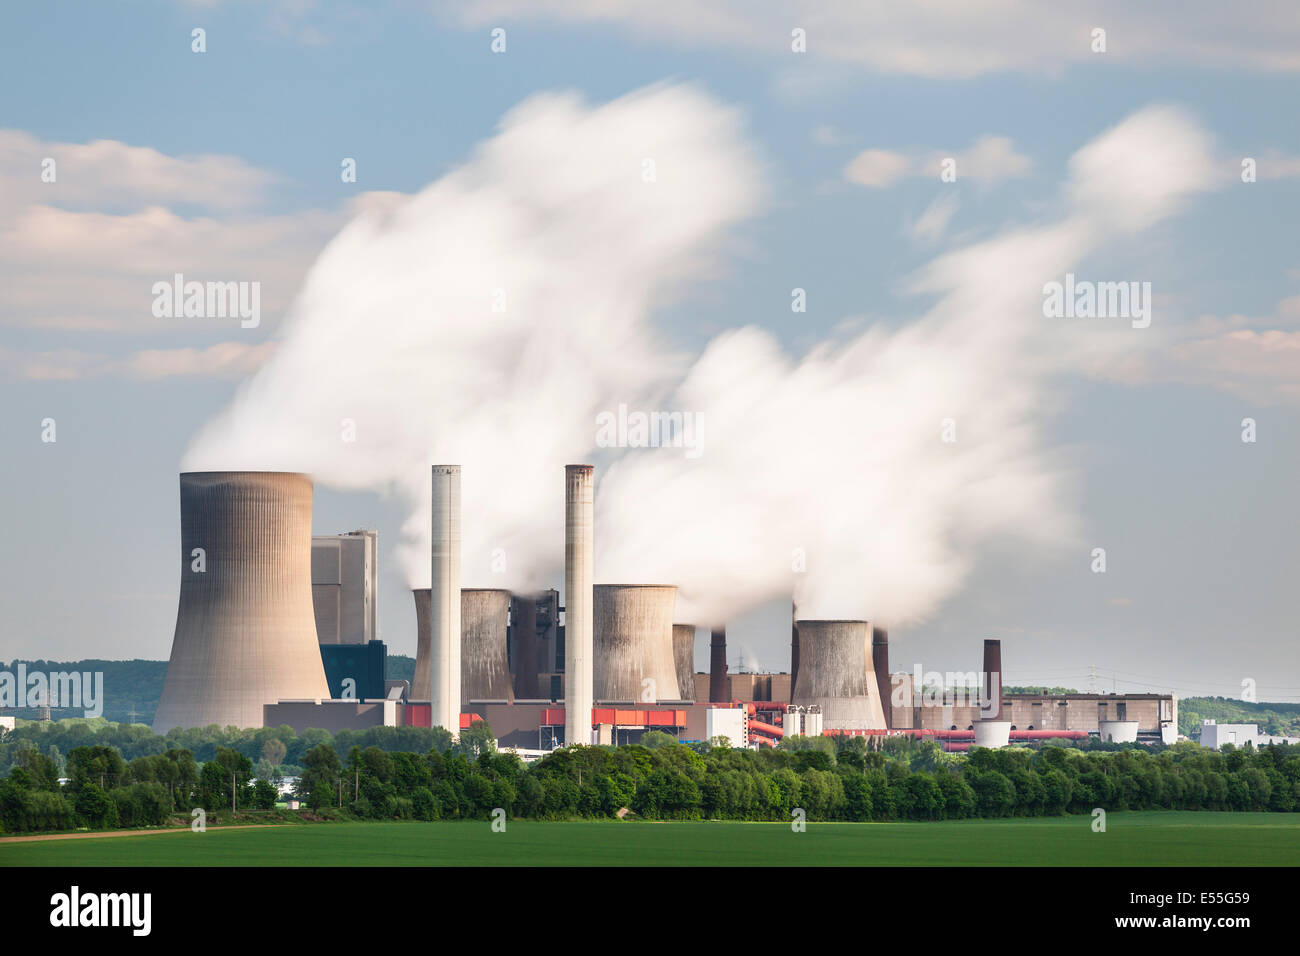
{"x":423,"y":632}
{"x":245,"y":627}
{"x":684,"y":656}
{"x":836,"y":673}
{"x":484,"y":668}
{"x":634,"y":642}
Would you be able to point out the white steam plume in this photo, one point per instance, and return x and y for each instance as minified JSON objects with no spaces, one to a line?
{"x":580,"y":220}
{"x":837,"y":460}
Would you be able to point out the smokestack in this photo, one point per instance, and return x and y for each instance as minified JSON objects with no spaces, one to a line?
{"x":991,"y":698}
{"x":718,"y":692}
{"x":245,"y":627}
{"x":423,"y":627}
{"x":684,"y":657}
{"x":794,"y":645}
{"x":835,"y":673}
{"x":579,"y":509}
{"x":523,"y":622}
{"x":633,"y":626}
{"x":485,"y":669}
{"x":880,"y":664}
{"x":444,"y":600}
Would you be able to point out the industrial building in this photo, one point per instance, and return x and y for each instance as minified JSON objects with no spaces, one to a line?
{"x":345,"y":587}
{"x":277,"y":626}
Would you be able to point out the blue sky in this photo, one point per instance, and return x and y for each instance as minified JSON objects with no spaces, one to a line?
{"x":1199,"y":527}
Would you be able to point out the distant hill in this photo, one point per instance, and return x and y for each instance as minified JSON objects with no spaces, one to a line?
{"x":132,"y":688}
{"x":1279,"y":720}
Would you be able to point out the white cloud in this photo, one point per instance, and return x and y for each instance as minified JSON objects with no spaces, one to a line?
{"x":224,"y":360}
{"x":933,"y":222}
{"x":942,"y":38}
{"x":990,"y":159}
{"x":82,"y":253}
{"x":1255,"y":359}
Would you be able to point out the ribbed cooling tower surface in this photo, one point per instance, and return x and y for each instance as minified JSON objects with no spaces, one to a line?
{"x":836,"y":673}
{"x":423,"y":632}
{"x":634,"y":642}
{"x":684,"y":656}
{"x":484,"y":666}
{"x":245,"y":628}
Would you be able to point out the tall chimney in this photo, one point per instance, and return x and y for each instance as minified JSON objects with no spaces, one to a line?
{"x":991,"y":700}
{"x":794,"y":645}
{"x":880,"y":664}
{"x":718,"y":692}
{"x":579,"y":520}
{"x":444,"y":616}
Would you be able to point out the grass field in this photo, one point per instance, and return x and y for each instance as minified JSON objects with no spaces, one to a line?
{"x":1132,"y":839}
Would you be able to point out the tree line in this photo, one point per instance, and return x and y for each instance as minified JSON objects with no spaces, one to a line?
{"x":898,"y":778}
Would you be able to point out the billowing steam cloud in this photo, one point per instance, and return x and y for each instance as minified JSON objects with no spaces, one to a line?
{"x":827,"y":474}
{"x":487,"y":320}
{"x":831,"y":476}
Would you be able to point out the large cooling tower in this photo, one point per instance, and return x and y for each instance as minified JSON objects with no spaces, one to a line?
{"x":423,"y":628}
{"x":835,"y":672}
{"x":634,"y":642}
{"x":579,"y":549}
{"x":684,"y":655}
{"x":484,"y":670}
{"x":245,"y":627}
{"x":444,"y":600}
{"x":484,"y":667}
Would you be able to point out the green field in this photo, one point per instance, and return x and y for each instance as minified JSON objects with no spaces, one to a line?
{"x":1132,"y":839}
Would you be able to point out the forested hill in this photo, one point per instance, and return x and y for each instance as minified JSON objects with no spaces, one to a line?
{"x":132,"y":688}
{"x":1278,"y":720}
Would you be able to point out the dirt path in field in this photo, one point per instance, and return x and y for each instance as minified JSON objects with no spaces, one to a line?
{"x":122,"y":833}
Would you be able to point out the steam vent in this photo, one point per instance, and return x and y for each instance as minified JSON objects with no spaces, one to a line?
{"x":634,"y":642}
{"x":836,"y":673}
{"x":245,"y":627}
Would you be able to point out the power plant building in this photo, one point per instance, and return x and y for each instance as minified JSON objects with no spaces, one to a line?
{"x":345,"y":587}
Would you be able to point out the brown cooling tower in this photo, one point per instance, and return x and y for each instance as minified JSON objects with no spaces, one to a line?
{"x":684,"y":656}
{"x":836,"y":674}
{"x":991,"y":698}
{"x":484,"y":669}
{"x":880,"y":664}
{"x":718,"y":692}
{"x":634,"y":642}
{"x":245,"y":628}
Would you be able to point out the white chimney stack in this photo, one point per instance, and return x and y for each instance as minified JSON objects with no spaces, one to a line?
{"x":579,"y":512}
{"x":444,"y":643}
